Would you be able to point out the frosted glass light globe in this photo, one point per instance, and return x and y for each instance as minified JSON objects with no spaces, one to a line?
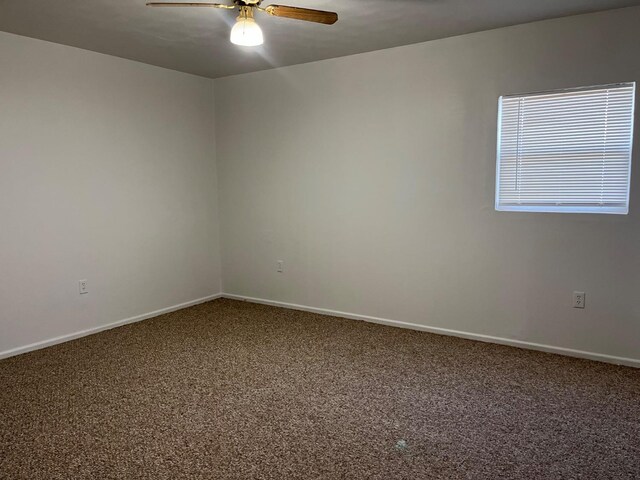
{"x":247,"y":32}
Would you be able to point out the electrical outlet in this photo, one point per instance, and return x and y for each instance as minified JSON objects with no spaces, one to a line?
{"x":280,"y":266}
{"x":578,"y":299}
{"x":82,"y":286}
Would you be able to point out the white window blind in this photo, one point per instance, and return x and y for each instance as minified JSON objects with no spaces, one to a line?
{"x":566,"y":151}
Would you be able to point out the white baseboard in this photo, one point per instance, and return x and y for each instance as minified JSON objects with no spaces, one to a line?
{"x":630,"y":362}
{"x":108,"y":326}
{"x":323,"y":311}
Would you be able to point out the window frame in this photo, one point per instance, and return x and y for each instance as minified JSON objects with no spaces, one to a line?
{"x":564,"y":208}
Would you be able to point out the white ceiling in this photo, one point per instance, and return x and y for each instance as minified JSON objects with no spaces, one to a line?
{"x":196,"y":40}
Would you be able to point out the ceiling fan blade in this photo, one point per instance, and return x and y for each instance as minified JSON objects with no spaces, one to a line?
{"x":189,"y":4}
{"x":306,"y":14}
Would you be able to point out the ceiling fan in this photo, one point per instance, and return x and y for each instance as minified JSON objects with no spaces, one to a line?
{"x":246,"y":31}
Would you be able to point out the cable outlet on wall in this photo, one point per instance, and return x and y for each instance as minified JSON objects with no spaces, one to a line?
{"x":82,"y":286}
{"x":280,"y":266}
{"x":578,"y":299}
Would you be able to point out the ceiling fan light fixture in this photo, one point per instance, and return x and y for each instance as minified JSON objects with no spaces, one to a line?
{"x":246,"y":32}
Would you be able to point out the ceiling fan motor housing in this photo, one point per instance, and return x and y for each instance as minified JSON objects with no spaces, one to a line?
{"x":247,"y":3}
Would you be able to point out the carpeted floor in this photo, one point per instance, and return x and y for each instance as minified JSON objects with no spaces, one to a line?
{"x":232,"y":390}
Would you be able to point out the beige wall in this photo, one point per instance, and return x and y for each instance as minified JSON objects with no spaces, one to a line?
{"x":107,"y":172}
{"x":373,"y":178}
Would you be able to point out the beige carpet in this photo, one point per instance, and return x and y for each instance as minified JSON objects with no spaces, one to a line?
{"x":231,"y":390}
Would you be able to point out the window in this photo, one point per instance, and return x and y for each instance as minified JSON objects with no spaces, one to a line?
{"x":566,"y":151}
